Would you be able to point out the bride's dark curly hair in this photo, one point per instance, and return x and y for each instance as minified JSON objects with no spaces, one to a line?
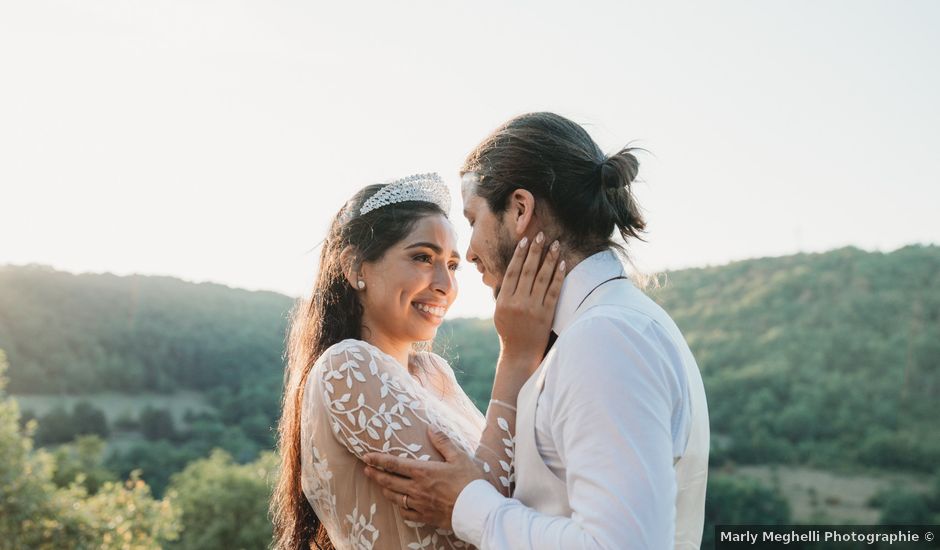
{"x":332,"y":314}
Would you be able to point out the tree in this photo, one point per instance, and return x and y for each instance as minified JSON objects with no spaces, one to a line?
{"x":54,"y":427}
{"x":157,"y":423}
{"x":88,"y":419}
{"x":900,"y":507}
{"x":155,"y":461}
{"x":34,"y":513}
{"x":82,"y":462}
{"x":224,"y":504}
{"x":58,"y":426}
{"x":740,"y":501}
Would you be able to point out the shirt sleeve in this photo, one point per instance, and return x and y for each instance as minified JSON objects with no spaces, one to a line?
{"x":614,"y":391}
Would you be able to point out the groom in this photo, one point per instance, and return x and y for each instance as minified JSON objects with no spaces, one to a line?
{"x":611,"y":441}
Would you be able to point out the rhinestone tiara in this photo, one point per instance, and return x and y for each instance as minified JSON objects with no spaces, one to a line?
{"x":419,"y":187}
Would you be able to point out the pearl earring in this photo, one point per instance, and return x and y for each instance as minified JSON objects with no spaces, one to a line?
{"x":361,"y":284}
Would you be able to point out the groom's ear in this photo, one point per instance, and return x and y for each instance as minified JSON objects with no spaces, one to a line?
{"x":521,"y":211}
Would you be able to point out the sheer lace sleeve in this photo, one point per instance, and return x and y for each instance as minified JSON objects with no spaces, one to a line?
{"x":374,"y":405}
{"x":497,"y":440}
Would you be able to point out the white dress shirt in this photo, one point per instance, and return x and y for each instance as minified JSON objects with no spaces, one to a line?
{"x":611,"y":421}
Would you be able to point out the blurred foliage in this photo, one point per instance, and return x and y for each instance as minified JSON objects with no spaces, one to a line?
{"x":35,"y":513}
{"x":224,"y":504}
{"x":744,"y":501}
{"x":156,"y":423}
{"x":89,"y":333}
{"x":81,"y":462}
{"x":60,"y":426}
{"x":822,"y":359}
{"x":471,"y":347}
{"x":902,"y":507}
{"x":67,"y":499}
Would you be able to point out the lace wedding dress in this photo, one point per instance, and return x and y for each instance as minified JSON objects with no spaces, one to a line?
{"x":358,"y":399}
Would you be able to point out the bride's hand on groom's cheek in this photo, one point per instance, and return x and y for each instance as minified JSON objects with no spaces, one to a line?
{"x":525,"y":306}
{"x":431,"y":487}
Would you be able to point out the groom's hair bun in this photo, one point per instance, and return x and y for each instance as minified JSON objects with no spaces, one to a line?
{"x":619,"y":170}
{"x":589,"y":193}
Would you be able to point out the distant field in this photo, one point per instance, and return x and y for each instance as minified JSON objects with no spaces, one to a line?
{"x":116,"y":405}
{"x":819,"y":496}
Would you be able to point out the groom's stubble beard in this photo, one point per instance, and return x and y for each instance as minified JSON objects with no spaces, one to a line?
{"x":505,"y":248}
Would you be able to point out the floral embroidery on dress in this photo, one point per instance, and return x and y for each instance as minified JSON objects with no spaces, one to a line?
{"x":509,"y":443}
{"x":322,"y":490}
{"x":360,"y":527}
{"x":358,"y":400}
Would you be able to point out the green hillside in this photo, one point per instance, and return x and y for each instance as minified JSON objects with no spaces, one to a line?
{"x":828,"y":360}
{"x":90,"y":333}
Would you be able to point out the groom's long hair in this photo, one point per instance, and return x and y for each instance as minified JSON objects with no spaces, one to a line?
{"x":588,"y":193}
{"x":332,"y":314}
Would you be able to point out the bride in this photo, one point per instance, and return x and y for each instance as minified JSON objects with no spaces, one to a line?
{"x":359,"y":378}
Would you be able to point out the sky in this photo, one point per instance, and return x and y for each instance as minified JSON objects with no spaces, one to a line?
{"x":213,"y":140}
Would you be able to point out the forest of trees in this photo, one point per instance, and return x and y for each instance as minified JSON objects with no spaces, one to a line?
{"x":77,"y":334}
{"x":829,"y":360}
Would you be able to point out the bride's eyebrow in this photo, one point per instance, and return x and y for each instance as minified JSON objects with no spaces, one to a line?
{"x":432,"y":246}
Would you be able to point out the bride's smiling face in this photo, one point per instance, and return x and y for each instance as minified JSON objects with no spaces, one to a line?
{"x":410,"y":288}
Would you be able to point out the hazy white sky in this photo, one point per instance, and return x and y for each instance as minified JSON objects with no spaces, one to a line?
{"x":212,"y":140}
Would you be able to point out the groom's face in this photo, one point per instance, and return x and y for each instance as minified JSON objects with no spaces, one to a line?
{"x":491,"y":243}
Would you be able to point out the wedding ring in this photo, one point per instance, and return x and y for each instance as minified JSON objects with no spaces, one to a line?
{"x":404,"y":503}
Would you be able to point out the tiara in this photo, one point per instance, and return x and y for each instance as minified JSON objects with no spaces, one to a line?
{"x":419,"y":187}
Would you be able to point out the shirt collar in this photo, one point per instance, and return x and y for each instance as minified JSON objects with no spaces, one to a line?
{"x":580,"y":281}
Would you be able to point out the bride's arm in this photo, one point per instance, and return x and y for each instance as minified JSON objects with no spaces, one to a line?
{"x":497,"y":444}
{"x":524,"y":313}
{"x":495,"y":450}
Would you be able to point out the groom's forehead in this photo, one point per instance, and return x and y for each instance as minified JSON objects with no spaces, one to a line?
{"x":468,"y":190}
{"x":468,"y":183}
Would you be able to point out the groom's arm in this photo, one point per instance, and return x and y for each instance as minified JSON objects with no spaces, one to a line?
{"x":614,"y":394}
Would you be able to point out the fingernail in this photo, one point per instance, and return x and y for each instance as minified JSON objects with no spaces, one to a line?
{"x":555,"y":246}
{"x":523,"y":242}
{"x":561,"y":266}
{"x":539,"y":238}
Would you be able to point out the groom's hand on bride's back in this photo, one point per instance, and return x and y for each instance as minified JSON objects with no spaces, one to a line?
{"x":431,"y":487}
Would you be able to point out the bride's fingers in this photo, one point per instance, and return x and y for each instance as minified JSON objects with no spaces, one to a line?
{"x":531,"y":265}
{"x":546,"y":272}
{"x":511,"y":277}
{"x":554,"y":288}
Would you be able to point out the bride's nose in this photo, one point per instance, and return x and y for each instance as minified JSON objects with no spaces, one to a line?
{"x":443,"y":280}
